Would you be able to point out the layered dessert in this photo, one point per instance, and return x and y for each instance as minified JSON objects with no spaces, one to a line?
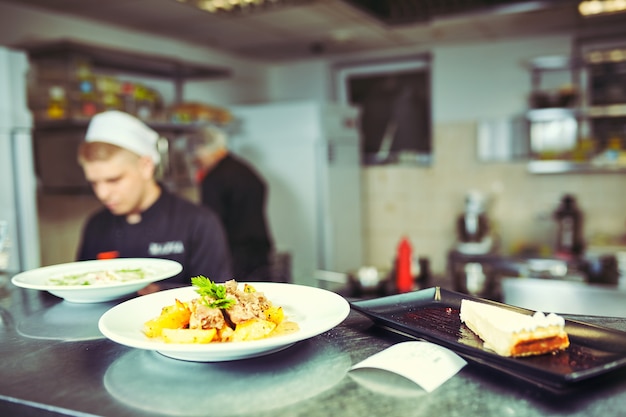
{"x":510,"y":333}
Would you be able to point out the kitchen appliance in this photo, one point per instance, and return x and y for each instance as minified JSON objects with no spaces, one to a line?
{"x":18,"y":197}
{"x":468,"y":261}
{"x":309,"y":154}
{"x":473,"y":234}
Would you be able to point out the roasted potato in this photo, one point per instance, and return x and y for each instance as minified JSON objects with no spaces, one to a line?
{"x":188,"y":335}
{"x":175,"y":316}
{"x":275,"y":314}
{"x":225,"y":334}
{"x":252,"y":329}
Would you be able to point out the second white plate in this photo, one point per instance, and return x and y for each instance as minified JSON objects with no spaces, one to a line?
{"x":39,"y":279}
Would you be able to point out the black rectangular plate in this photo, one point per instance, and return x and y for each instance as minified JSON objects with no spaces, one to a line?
{"x":433,"y":314}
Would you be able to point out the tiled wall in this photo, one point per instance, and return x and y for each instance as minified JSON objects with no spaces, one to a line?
{"x":421,"y":203}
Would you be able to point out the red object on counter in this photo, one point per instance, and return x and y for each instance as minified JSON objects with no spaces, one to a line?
{"x":404,"y":280}
{"x":108,"y":255}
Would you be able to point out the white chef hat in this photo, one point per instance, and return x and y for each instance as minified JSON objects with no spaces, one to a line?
{"x":126,"y":131}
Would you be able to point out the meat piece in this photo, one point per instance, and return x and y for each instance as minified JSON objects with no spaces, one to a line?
{"x":248,"y":306}
{"x":204,"y":317}
{"x":231,"y":287}
{"x":262,"y":300}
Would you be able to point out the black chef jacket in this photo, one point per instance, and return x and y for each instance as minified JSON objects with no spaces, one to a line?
{"x":234,"y":191}
{"x":172,"y":228}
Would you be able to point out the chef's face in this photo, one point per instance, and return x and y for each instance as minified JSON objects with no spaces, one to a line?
{"x":120,"y":182}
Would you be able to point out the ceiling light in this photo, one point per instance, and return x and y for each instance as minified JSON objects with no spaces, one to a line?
{"x":598,"y":7}
{"x":239,"y":6}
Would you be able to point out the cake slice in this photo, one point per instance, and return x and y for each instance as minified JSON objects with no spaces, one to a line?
{"x":509,"y":333}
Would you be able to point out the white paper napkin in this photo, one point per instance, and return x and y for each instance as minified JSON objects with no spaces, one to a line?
{"x":426,"y":364}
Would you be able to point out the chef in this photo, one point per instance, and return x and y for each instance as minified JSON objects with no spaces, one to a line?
{"x":237,"y":193}
{"x":140,"y":217}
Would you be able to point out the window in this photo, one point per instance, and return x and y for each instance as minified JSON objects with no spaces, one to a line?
{"x":394,"y":99}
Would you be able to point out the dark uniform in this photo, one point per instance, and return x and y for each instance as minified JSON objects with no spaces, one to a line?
{"x":238,"y":195}
{"x":172,"y":228}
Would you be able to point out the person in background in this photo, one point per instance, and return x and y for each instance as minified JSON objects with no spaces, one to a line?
{"x":237,"y":193}
{"x":142,"y":219}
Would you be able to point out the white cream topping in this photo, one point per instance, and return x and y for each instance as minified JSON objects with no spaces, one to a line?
{"x":510,"y":321}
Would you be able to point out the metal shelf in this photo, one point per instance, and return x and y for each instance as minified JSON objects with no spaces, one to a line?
{"x":611,"y":110}
{"x":120,"y":60}
{"x":551,"y":113}
{"x":124,"y":61}
{"x":554,"y":113}
{"x":56,"y":141}
{"x":160,"y":126}
{"x":571,"y":167}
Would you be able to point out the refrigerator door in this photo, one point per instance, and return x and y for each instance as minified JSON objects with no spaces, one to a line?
{"x":310,"y":160}
{"x":289,"y":169}
{"x":341,"y":246}
{"x":18,"y":204}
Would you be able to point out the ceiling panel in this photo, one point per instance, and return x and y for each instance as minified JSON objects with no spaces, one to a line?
{"x":497,"y":26}
{"x":144,"y":14}
{"x":327,"y":26}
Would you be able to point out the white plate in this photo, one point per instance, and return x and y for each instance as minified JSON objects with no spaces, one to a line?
{"x":37,"y":279}
{"x":315,"y":310}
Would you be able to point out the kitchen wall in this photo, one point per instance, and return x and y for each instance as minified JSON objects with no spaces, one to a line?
{"x":471,"y":82}
{"x":423,"y":203}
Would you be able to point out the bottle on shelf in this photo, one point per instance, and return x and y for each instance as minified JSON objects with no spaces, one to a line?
{"x":57,"y":103}
{"x":88,"y":97}
{"x":569,"y":242}
{"x":128,"y":97}
{"x":109,"y":89}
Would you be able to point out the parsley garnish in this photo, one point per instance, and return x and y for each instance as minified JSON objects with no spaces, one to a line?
{"x":212,"y":294}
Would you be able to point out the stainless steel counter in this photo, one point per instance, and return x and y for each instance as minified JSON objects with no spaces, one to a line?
{"x":53,"y":361}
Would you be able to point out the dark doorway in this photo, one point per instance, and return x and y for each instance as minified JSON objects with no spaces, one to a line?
{"x":395,"y":117}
